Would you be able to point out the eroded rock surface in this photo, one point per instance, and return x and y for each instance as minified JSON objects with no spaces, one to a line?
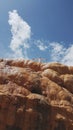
{"x":35,"y":96}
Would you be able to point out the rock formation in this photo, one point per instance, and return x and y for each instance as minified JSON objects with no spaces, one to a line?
{"x":35,"y":96}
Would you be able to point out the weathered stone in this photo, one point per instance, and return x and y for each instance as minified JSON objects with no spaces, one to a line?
{"x":35,"y":96}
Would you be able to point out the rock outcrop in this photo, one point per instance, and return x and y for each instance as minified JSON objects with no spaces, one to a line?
{"x":35,"y":96}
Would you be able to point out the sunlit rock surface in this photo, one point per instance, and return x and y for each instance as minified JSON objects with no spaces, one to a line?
{"x":35,"y":96}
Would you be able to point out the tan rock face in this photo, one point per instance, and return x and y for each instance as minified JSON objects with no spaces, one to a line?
{"x":35,"y":96}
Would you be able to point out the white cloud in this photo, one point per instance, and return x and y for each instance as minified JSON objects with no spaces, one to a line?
{"x":41,"y":45}
{"x":68,"y":56}
{"x":21,"y":37}
{"x":56,"y":46}
{"x":21,"y":33}
{"x":59,"y":53}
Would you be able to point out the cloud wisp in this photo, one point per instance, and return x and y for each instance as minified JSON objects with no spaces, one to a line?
{"x":68,"y":56}
{"x":57,"y":51}
{"x":21,"y":33}
{"x":41,"y":45}
{"x":60,"y":53}
{"x":21,"y":40}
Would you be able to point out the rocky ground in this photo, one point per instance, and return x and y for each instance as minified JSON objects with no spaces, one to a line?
{"x":35,"y":96}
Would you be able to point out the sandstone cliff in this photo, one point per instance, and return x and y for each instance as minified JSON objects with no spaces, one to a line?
{"x":35,"y":96}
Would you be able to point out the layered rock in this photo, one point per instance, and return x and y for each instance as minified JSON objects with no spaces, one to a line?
{"x":35,"y":96}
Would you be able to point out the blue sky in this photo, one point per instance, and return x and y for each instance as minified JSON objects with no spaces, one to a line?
{"x":48,"y":25}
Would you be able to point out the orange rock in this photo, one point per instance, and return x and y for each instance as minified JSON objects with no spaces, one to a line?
{"x":35,"y":96}
{"x":52,"y":75}
{"x":60,"y":68}
{"x":68,"y":82}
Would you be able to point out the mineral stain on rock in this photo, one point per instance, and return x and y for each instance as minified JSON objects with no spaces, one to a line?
{"x":35,"y":96}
